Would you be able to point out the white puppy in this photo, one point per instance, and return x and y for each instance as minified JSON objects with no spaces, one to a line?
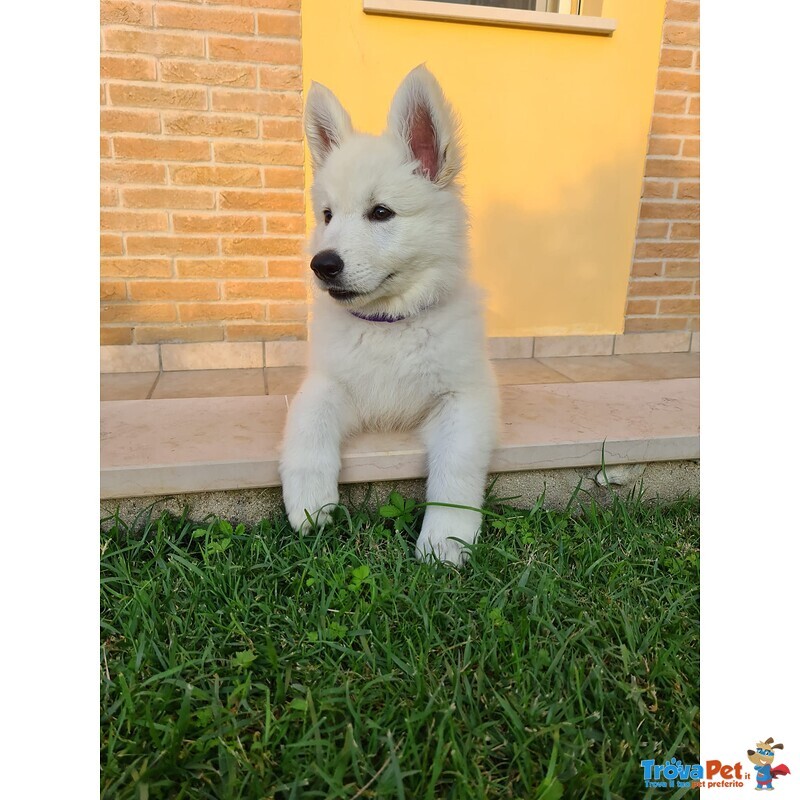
{"x":397,"y":336}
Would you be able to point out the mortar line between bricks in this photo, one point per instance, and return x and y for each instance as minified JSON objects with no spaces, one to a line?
{"x":157,"y":83}
{"x":196,"y":33}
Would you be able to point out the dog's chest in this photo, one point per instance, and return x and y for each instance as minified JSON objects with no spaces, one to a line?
{"x":395,"y":374}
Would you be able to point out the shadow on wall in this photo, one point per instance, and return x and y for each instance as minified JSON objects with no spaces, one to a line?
{"x":563,"y":268}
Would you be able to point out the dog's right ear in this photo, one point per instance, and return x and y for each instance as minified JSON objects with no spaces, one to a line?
{"x":327,"y":123}
{"x":424,"y":121}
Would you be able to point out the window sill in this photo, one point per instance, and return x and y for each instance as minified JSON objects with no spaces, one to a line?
{"x":484,"y":15}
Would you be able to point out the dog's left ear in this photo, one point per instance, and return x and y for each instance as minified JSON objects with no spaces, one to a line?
{"x":423,"y":119}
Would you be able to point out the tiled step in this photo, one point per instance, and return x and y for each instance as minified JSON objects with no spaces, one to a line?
{"x":157,"y":447}
{"x":287,"y":380}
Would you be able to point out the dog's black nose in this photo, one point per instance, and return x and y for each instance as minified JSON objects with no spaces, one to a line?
{"x":327,"y":264}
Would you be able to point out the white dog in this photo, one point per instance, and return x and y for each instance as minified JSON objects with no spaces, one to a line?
{"x":397,"y":337}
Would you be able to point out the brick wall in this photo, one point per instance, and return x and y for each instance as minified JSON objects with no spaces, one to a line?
{"x":664,"y":289}
{"x":202,"y":216}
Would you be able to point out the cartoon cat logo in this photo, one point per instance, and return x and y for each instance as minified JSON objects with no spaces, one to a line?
{"x":762,"y":757}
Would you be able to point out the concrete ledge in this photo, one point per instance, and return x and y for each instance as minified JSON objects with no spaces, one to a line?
{"x":163,"y":447}
{"x":666,"y":480}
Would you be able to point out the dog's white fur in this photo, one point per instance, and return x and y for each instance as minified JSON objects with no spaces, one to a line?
{"x":429,"y":369}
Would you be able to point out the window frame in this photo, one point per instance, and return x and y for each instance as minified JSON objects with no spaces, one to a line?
{"x":489,"y":15}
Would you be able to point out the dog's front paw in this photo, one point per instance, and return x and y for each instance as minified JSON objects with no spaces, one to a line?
{"x":306,"y":496}
{"x":441,"y":546}
{"x":298,"y":516}
{"x":446,"y":532}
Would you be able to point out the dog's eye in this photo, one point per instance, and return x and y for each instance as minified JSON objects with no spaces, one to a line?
{"x":326,"y":215}
{"x":381,"y":213}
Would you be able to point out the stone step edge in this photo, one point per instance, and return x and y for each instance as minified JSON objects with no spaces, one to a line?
{"x":158,"y":480}
{"x":381,"y":457}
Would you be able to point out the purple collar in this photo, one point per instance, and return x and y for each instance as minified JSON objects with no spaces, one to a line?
{"x":382,"y":317}
{"x":377,"y":317}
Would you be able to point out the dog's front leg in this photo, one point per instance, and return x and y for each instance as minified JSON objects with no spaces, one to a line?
{"x":459,"y":435}
{"x":319,"y":417}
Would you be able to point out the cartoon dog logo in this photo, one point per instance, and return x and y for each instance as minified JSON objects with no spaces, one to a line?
{"x":762,"y":757}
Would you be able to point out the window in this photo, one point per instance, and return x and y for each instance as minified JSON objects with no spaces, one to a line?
{"x":590,"y":8}
{"x":573,"y":16}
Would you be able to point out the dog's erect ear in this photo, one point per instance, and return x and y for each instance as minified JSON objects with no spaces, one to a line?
{"x":327,"y":123}
{"x":423,"y":119}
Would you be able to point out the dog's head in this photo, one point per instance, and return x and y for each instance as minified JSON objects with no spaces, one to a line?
{"x":764,"y":752}
{"x":391,"y":228}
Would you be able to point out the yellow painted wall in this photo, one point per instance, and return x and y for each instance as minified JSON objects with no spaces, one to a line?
{"x":555,"y":130}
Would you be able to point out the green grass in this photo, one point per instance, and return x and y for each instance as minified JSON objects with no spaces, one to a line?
{"x":259,"y":663}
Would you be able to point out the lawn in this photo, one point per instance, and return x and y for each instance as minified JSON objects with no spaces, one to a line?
{"x":258,"y":663}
